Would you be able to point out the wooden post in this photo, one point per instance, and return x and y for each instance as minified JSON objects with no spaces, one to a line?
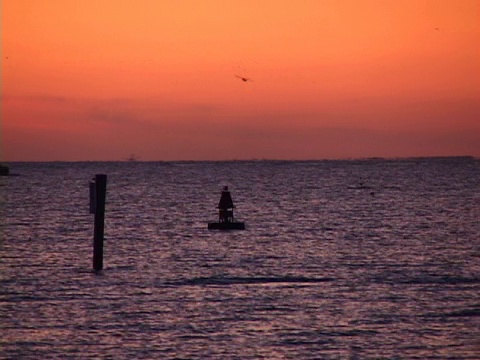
{"x":99,"y":226}
{"x":92,"y":196}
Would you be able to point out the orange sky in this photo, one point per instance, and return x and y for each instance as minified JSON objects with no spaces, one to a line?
{"x":100,"y":80}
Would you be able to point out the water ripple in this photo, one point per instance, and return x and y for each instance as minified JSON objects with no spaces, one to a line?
{"x":250,"y":280}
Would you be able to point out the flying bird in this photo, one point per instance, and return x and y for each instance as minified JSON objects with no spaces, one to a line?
{"x":243,"y":78}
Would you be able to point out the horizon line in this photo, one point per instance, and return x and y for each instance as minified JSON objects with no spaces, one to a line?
{"x":469,"y":157}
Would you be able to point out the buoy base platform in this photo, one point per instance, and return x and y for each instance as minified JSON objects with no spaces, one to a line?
{"x":226,"y":226}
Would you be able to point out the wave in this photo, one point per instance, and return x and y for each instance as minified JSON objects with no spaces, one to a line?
{"x":236,"y":280}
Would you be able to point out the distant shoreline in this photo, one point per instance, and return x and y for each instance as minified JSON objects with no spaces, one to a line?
{"x":412,"y":158}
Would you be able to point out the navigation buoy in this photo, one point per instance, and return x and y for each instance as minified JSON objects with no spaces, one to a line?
{"x":226,"y":220}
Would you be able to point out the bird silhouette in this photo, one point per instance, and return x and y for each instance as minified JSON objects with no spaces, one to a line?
{"x":243,"y":78}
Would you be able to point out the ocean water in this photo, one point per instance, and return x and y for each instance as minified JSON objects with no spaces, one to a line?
{"x":356,"y":259}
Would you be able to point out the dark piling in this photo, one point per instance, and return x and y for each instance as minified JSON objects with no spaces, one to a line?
{"x":100,"y":190}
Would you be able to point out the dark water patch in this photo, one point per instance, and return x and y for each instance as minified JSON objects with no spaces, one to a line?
{"x":12,"y":298}
{"x":120,"y":268}
{"x":348,"y":333}
{"x":249,"y":280}
{"x":397,"y":277}
{"x":437,"y":279}
{"x":462,"y":313}
{"x":296,"y":337}
{"x":302,"y":342}
{"x":359,"y":187}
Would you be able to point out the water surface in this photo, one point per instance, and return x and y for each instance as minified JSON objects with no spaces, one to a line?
{"x":340,"y":259}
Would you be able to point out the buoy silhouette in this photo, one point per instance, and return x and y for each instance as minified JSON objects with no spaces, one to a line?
{"x":226,"y":220}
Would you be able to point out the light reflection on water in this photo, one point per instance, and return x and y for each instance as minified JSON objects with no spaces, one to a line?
{"x":350,"y":259}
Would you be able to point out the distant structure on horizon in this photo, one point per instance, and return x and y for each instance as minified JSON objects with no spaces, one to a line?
{"x":132,"y":157}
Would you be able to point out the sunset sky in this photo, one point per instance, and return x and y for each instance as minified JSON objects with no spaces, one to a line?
{"x":104,"y":79}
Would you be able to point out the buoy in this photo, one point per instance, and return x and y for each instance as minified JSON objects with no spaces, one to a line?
{"x":226,"y":221}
